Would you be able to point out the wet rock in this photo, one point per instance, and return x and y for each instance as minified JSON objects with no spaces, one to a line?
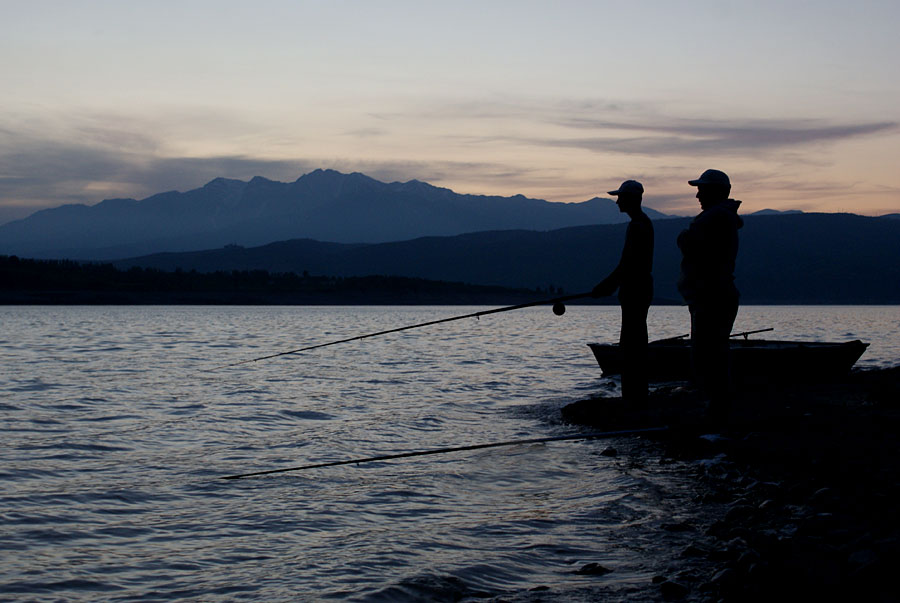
{"x":889,"y":546}
{"x":739,"y":513}
{"x":719,"y":529}
{"x":798,"y":511}
{"x":724,"y":580}
{"x":686,"y":576}
{"x":737,"y":544}
{"x":722,"y":555}
{"x":715,"y":497}
{"x":765,"y":541}
{"x":757,"y":572}
{"x":681,"y":526}
{"x":593,"y":569}
{"x":823,"y":497}
{"x":817,"y":525}
{"x":609,"y":452}
{"x":746,"y":482}
{"x":714,"y":438}
{"x":673,"y":591}
{"x":539,"y":589}
{"x":766,"y":489}
{"x":841,"y":537}
{"x":859,"y":559}
{"x":731,"y":550}
{"x":659,"y":579}
{"x":767,"y":505}
{"x":748,"y":559}
{"x":694,"y":551}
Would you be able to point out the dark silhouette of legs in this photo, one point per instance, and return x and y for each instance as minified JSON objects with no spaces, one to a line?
{"x":633,"y":347}
{"x":711,"y":324}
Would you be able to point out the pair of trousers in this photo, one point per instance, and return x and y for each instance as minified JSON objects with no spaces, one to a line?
{"x":711,"y":324}
{"x":633,"y":347}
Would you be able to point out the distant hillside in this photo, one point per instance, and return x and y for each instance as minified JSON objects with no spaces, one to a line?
{"x":27,"y":281}
{"x":324,"y":205}
{"x":774,"y":212}
{"x":784,"y":258}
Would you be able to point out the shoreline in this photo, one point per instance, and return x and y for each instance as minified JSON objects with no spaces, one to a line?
{"x":796,"y":494}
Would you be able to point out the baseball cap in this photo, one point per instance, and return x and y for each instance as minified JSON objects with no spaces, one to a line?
{"x":629,"y":187}
{"x":711,"y":177}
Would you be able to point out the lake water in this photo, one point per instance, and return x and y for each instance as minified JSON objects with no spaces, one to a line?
{"x":115,"y":434}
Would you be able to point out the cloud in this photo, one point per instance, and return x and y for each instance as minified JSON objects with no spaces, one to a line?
{"x":474,"y":146}
{"x":93,"y":162}
{"x":631,"y":128}
{"x":710,"y":136}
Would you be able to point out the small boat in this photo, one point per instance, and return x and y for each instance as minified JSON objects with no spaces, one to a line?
{"x":751,"y":359}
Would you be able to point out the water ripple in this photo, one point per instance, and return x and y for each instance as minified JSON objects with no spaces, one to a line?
{"x":116,"y":435}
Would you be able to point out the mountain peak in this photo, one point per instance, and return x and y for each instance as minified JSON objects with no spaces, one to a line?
{"x":224,"y":182}
{"x":323,"y":204}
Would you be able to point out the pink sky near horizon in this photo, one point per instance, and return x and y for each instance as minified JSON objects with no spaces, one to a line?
{"x":798,"y":102}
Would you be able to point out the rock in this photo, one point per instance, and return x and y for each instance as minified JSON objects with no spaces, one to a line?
{"x":723,"y":555}
{"x":867,"y":567}
{"x":593,"y":569}
{"x":817,"y":525}
{"x":717,"y":528}
{"x":739,"y":513}
{"x":673,"y":591}
{"x":725,"y":577}
{"x":767,"y":505}
{"x":765,"y":541}
{"x":822,"y":497}
{"x":748,"y":559}
{"x":681,"y":526}
{"x":757,"y":571}
{"x":694,"y":551}
{"x":767,"y":489}
{"x":858,"y":559}
{"x":609,"y":452}
{"x":659,"y":579}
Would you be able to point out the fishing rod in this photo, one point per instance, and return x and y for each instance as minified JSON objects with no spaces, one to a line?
{"x":559,"y":309}
{"x":388,"y":457}
{"x":744,"y":334}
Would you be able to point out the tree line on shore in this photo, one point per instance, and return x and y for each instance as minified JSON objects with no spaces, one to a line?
{"x":67,"y":281}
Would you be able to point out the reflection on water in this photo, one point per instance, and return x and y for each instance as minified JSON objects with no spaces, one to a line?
{"x":115,"y":435}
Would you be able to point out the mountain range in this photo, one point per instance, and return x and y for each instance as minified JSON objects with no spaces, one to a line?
{"x":324,"y":205}
{"x":792,"y":258}
{"x":328,"y":223}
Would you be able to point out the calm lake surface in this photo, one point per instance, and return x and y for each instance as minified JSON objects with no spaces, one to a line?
{"x":115,"y":434}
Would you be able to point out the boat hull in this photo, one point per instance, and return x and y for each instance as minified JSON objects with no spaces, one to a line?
{"x":751,"y":360}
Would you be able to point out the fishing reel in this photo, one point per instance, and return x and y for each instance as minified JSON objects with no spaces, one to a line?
{"x":559,"y":308}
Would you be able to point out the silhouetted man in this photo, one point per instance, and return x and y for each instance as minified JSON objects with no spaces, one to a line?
{"x":633,"y":278}
{"x":709,"y":249}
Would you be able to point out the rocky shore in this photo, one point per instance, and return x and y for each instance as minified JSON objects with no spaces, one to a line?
{"x":797,"y":494}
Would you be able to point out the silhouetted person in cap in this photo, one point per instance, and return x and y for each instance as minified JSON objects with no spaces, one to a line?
{"x":709,"y":249}
{"x":633,"y":278}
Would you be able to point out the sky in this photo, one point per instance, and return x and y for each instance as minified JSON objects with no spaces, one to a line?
{"x":799,"y":102}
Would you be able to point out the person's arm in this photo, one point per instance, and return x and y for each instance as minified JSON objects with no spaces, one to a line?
{"x":608,"y":285}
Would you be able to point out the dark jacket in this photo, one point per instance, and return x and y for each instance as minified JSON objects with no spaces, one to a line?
{"x":633,"y":275}
{"x":709,"y":249}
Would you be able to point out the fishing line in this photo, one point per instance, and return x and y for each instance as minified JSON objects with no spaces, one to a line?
{"x":401,"y":455}
{"x":559,"y":309}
